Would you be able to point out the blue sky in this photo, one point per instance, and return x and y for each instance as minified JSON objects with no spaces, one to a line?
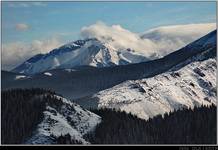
{"x":28,"y":21}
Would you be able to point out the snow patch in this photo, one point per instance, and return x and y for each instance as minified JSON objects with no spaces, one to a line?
{"x":48,"y":74}
{"x":20,"y":77}
{"x":70,"y":70}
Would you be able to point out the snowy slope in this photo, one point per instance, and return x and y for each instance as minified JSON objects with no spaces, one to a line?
{"x":90,"y":52}
{"x":191,"y":83}
{"x":69,"y":118}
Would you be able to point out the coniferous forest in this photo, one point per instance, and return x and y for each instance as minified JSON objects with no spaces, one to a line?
{"x":197,"y":126}
{"x":22,"y":110}
{"x":20,"y":114}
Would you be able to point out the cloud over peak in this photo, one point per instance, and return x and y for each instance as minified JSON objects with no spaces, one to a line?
{"x":171,"y":38}
{"x":155,"y":42}
{"x":117,"y":36}
{"x":161,"y":40}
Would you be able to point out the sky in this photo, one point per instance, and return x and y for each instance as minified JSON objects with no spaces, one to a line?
{"x":46,"y":25}
{"x":27,"y":21}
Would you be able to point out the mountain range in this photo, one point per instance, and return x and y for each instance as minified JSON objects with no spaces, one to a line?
{"x":94,"y":75}
{"x":82,"y":81}
{"x":88,"y":52}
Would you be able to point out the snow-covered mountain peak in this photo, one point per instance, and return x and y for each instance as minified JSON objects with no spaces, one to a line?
{"x":91,"y":51}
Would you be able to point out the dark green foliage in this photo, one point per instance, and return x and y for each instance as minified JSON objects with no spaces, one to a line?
{"x":186,"y":126}
{"x":67,"y":139}
{"x":22,"y":110}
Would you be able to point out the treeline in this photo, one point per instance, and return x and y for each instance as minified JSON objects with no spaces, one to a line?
{"x":21,"y":111}
{"x":66,"y":139}
{"x":197,"y":126}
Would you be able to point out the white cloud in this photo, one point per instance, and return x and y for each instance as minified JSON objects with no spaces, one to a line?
{"x":118,"y":37}
{"x":171,"y":38}
{"x":161,"y":40}
{"x":21,"y":27}
{"x":39,"y":4}
{"x":16,"y":53}
{"x":26,"y":4}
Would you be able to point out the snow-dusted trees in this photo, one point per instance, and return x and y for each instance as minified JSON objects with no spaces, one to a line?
{"x":66,"y":139}
{"x":21,"y":111}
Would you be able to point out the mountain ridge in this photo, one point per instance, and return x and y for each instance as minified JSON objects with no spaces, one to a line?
{"x":91,"y":52}
{"x":89,"y":81}
{"x":187,"y":84}
{"x":42,"y":117}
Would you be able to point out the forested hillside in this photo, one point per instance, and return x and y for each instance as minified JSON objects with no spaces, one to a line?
{"x":21,"y":111}
{"x":37,"y":116}
{"x":197,"y":126}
